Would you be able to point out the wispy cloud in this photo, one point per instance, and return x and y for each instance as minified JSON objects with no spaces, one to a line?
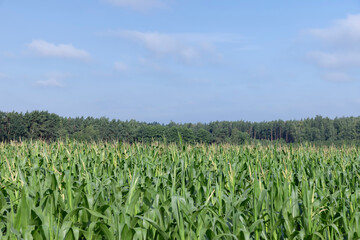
{"x":46,"y":49}
{"x":140,"y":5}
{"x":150,"y":63}
{"x":340,"y":49}
{"x":337,"y":77}
{"x":8,"y":54}
{"x":3,"y":76}
{"x":49,"y":83}
{"x":343,"y":32}
{"x":53,"y":79}
{"x":337,"y":59}
{"x":341,"y":43}
{"x":120,"y":67}
{"x":248,"y":48}
{"x":186,"y":48}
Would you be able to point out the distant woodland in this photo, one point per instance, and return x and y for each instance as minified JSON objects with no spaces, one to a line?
{"x":50,"y":127}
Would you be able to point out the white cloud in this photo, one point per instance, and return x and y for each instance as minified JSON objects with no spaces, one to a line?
{"x":337,"y":77}
{"x":120,"y":66}
{"x":340,"y":59}
{"x":342,"y":32}
{"x":340,"y":43}
{"x":248,"y":48}
{"x":138,"y":4}
{"x":47,"y":49}
{"x":2,"y":76}
{"x":150,"y":63}
{"x":182,"y":47}
{"x":52,"y":79}
{"x":52,"y":82}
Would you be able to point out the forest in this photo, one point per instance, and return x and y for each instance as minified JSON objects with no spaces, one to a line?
{"x":47,"y":126}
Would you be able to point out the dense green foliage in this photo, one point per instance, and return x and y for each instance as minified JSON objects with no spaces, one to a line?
{"x":73,"y":190}
{"x":46,"y":126}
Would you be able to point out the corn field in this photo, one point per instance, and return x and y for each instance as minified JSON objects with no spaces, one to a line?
{"x":74,"y":190}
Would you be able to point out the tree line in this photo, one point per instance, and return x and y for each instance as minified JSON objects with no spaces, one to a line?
{"x":50,"y":127}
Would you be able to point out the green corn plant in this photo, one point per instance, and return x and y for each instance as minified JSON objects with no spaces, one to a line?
{"x":110,"y":190}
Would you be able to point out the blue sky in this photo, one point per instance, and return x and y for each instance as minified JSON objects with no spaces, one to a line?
{"x":185,"y":61}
